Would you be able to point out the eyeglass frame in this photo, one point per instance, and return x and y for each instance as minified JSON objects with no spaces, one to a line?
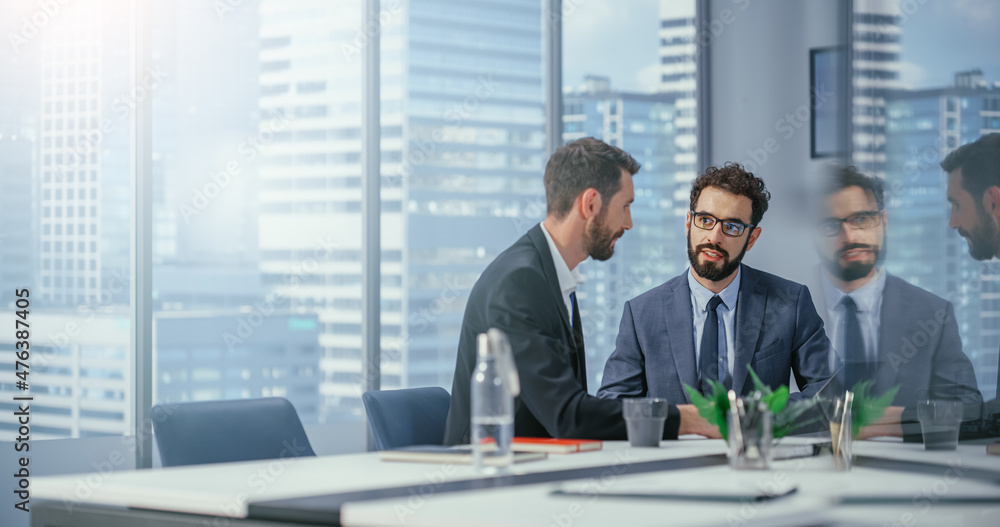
{"x":876,"y":214}
{"x":743,"y":226}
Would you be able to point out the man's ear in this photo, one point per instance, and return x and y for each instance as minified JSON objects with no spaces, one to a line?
{"x":753,"y":238}
{"x":991,"y":202}
{"x":589,"y":203}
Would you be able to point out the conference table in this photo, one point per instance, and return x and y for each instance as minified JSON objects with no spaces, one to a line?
{"x":683,"y":482}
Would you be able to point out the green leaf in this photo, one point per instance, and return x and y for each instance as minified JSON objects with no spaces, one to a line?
{"x":759,"y":385}
{"x":712,"y":408}
{"x":785,"y":421}
{"x":697,"y":399}
{"x":777,"y":400}
{"x":868,"y":409}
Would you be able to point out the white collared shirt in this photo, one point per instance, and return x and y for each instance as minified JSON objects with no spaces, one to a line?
{"x":700,"y":295}
{"x":868,"y":298}
{"x":569,"y":279}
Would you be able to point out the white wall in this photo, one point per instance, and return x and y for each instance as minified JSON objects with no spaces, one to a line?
{"x":759,"y":90}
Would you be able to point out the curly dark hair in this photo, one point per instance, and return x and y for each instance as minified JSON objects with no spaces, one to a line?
{"x":583,"y":164}
{"x":732,"y":178}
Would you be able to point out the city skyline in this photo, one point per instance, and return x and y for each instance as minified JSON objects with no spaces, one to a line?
{"x":257,"y":195}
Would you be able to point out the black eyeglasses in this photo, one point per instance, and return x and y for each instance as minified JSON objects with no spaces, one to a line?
{"x":706,"y":221}
{"x":857,"y":221}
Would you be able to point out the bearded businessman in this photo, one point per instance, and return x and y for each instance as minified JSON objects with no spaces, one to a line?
{"x":529,"y":292}
{"x":719,"y":317}
{"x":884,"y":329}
{"x":974,"y":193}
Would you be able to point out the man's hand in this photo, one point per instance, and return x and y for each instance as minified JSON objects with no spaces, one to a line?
{"x":692,"y":423}
{"x":888,"y":425}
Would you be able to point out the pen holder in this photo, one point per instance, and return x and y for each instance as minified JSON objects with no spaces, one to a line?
{"x":750,"y":436}
{"x":843,"y":441}
{"x":839,"y":415}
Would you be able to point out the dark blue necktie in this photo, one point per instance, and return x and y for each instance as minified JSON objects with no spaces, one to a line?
{"x":581,"y":356}
{"x":856,"y":366}
{"x":708,"y":363}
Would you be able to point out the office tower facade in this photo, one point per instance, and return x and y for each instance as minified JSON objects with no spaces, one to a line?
{"x":877,"y":48}
{"x":18,"y":226}
{"x":678,"y":79}
{"x":82,"y":380}
{"x":642,"y":125}
{"x":308,"y":143}
{"x":20,"y":100}
{"x":279,"y":359}
{"x":83,"y":160}
{"x":923,"y":127}
{"x":473,"y":158}
{"x":462,"y":147}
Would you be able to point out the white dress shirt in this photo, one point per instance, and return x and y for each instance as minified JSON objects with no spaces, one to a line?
{"x":569,"y":279}
{"x":700,"y":295}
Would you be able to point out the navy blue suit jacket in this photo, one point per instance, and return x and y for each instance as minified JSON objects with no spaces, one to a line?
{"x":777,"y":331}
{"x":919,"y":349}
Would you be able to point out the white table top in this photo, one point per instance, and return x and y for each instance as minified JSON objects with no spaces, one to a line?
{"x":818,"y":489}
{"x":971,"y":455}
{"x":225,"y":489}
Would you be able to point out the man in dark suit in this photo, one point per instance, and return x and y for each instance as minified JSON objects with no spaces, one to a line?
{"x":719,"y":317}
{"x":884,"y":329}
{"x":974,"y":193}
{"x":529,"y":292}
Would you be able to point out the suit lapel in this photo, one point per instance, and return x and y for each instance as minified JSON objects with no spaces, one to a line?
{"x":537,"y":238}
{"x":890,"y":334}
{"x":575,"y":353}
{"x":680,"y":331}
{"x":749,"y":316}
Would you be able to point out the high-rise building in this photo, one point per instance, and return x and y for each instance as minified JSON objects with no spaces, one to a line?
{"x":17,"y":225}
{"x":642,"y":125}
{"x":923,"y":127}
{"x":83,"y":154}
{"x":82,"y":374}
{"x":678,"y":78}
{"x":462,"y":147}
{"x":876,"y":49}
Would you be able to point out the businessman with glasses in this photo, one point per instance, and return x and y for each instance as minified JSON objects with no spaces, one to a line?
{"x":719,"y":317}
{"x":883,"y":329}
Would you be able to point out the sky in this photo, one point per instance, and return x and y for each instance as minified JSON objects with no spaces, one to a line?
{"x":619,"y":39}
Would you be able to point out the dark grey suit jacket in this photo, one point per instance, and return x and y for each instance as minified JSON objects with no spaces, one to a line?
{"x":919,"y":348}
{"x":777,"y":331}
{"x":519,"y":293}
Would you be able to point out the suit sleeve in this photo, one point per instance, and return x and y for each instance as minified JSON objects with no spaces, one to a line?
{"x":952,"y":374}
{"x":549,"y":389}
{"x":810,"y":348}
{"x":624,"y":373}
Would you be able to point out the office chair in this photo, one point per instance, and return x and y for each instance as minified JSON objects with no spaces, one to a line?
{"x":226,"y":431}
{"x":413,"y":416}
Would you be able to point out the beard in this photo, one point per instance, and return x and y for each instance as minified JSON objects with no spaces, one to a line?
{"x":599,"y":239}
{"x":854,"y":270}
{"x":714,"y":271}
{"x":983,"y":237}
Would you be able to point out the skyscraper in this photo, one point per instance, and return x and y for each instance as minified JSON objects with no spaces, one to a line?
{"x":678,"y":66}
{"x":876,"y":49}
{"x":462,"y":145}
{"x":83,"y":156}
